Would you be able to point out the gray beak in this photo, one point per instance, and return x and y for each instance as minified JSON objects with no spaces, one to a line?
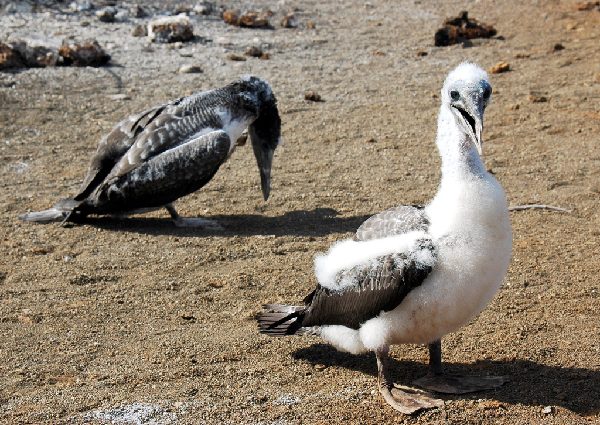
{"x":264,"y":159}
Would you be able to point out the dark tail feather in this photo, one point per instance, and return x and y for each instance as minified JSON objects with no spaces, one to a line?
{"x":59,"y":212}
{"x":280,"y":319}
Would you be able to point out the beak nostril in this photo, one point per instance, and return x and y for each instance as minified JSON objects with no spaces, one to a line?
{"x":454,"y":95}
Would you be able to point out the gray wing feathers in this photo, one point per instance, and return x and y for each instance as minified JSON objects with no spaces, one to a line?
{"x":395,"y":221}
{"x":377,"y":286}
{"x":166,"y":176}
{"x":113,"y":146}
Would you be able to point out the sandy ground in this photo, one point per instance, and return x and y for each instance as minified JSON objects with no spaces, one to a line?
{"x":134,"y":320}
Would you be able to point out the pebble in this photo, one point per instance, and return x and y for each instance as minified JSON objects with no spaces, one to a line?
{"x":236,"y":57}
{"x":558,"y":47}
{"x":313,"y":96}
{"x":499,"y":68}
{"x":253,"y":51}
{"x":139,"y":31}
{"x":461,"y":28}
{"x":190,"y":69}
{"x":547,"y":410}
{"x":106,"y":14}
{"x":289,"y":21}
{"x":536,"y":98}
{"x":119,"y":96}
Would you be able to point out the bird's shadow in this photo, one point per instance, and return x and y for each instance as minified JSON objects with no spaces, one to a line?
{"x":530,"y":383}
{"x":317,"y":222}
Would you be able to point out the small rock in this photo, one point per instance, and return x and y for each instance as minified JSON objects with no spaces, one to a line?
{"x":254,"y":51}
{"x":371,"y":140}
{"x":548,"y":410}
{"x":139,"y":31}
{"x":522,"y":55}
{"x":189,"y":69}
{"x":319,"y":367}
{"x":377,"y":52}
{"x":421,"y":53}
{"x":81,"y":6}
{"x":236,"y":57}
{"x":311,"y":25}
{"x":170,"y":29}
{"x":10,"y":57}
{"x":84,"y":23}
{"x":249,"y":19}
{"x":203,"y":9}
{"x":460,"y":28}
{"x":537,"y":98}
{"x":182,"y":8}
{"x":119,"y":96}
{"x":289,"y":21}
{"x":86,"y":53}
{"x":34,"y":54}
{"x":499,"y":68}
{"x":558,"y":47}
{"x":137,"y":11}
{"x":106,"y":14}
{"x":313,"y":96}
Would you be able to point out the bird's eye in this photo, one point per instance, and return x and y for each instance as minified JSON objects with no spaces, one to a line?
{"x":454,"y":95}
{"x":487,"y":93}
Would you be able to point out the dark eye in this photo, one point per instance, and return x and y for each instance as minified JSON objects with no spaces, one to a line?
{"x":454,"y":95}
{"x":487,"y":93}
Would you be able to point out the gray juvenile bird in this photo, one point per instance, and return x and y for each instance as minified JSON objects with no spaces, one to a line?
{"x":153,"y":158}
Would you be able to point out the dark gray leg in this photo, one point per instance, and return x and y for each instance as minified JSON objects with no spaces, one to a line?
{"x":404,"y":399}
{"x":435,"y":357}
{"x":439,"y":382}
{"x":180,"y":221}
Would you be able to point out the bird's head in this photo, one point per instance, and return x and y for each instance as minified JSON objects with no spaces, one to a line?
{"x":467,"y":92}
{"x":265,"y":131}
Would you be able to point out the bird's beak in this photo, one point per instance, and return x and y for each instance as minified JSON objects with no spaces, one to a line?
{"x":479,"y":135}
{"x":264,"y":159}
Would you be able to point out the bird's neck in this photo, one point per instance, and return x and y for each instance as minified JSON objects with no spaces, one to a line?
{"x":460,"y":159}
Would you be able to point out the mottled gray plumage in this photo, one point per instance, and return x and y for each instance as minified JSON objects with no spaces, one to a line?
{"x":395,"y":221}
{"x":151,"y":159}
{"x":365,"y":290}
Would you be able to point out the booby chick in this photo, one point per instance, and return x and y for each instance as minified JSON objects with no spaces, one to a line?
{"x":150,"y":159}
{"x":414,"y":274}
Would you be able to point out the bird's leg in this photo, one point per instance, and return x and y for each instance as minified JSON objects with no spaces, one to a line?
{"x":404,"y":399}
{"x":440,"y":382}
{"x":180,"y":221}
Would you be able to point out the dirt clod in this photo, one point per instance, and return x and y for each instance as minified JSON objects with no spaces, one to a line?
{"x":461,"y":28}
{"x":190,"y":69}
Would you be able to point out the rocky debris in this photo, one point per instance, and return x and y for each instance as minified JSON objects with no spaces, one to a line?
{"x":189,"y":69}
{"x":249,"y":19}
{"x":170,"y":29}
{"x":107,"y":14}
{"x":139,"y":31}
{"x":587,"y":6}
{"x":499,"y":68}
{"x":421,"y":53}
{"x":20,"y":54}
{"x":311,"y":25}
{"x":85,"y":53}
{"x":289,"y":21}
{"x":548,"y":410}
{"x":236,"y":57}
{"x":558,"y":47}
{"x":461,"y":28}
{"x":312,"y":96}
